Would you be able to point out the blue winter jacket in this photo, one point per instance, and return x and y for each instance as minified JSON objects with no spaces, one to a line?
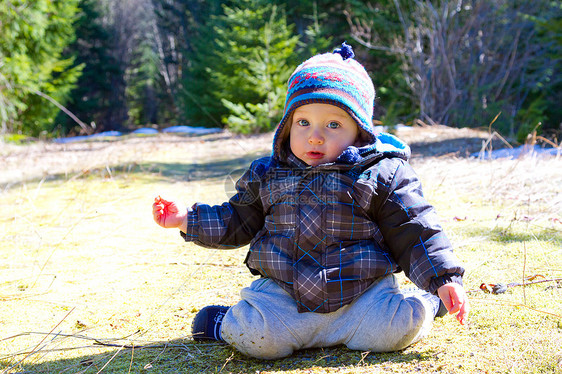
{"x":326,"y":233}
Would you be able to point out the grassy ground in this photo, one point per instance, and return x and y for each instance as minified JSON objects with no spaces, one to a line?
{"x":88,"y":283}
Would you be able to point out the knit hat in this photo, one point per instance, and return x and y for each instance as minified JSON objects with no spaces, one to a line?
{"x":331,"y":78}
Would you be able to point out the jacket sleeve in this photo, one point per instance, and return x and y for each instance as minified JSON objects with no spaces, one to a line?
{"x":234,"y":223}
{"x":411,"y":230}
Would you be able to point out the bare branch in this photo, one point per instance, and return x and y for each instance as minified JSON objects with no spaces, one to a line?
{"x":88,"y":129}
{"x":361,"y":32}
{"x":460,"y":57}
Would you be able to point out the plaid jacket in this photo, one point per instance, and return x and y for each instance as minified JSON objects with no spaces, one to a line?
{"x":325,"y":234}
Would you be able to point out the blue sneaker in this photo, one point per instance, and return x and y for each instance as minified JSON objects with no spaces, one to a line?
{"x":207,"y":323}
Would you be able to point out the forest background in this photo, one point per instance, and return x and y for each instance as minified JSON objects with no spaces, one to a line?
{"x":85,"y":66}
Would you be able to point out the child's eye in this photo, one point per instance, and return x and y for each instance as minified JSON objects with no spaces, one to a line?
{"x":303,"y":122}
{"x":333,"y":125}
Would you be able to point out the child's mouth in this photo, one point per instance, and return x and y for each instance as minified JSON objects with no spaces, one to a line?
{"x":314,"y":155}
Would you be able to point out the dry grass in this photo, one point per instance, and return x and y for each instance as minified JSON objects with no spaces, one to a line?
{"x":88,"y":283}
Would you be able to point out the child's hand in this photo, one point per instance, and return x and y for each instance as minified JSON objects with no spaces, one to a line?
{"x":455,"y":300}
{"x":169,"y":214}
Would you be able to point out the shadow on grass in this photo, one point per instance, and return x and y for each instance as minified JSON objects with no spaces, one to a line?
{"x":509,"y":236}
{"x":158,"y":171}
{"x":179,"y":172}
{"x":186,"y":356}
{"x":460,"y":147}
{"x":518,"y":234}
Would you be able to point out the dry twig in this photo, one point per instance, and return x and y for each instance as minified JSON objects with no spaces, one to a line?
{"x":42,"y":340}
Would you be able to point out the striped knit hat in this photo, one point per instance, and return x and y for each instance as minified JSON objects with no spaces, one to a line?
{"x":331,"y":78}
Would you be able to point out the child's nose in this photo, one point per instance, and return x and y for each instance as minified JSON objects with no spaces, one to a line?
{"x":316,"y":138}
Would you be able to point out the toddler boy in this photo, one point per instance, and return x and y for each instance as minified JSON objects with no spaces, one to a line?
{"x":329,"y":216}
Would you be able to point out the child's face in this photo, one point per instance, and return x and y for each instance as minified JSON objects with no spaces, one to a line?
{"x":321,"y":132}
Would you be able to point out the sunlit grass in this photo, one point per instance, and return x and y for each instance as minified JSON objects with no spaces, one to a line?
{"x":82,"y":263}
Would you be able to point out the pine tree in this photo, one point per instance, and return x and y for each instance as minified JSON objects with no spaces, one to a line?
{"x":33,"y":74}
{"x":90,"y":100}
{"x":199,"y":105}
{"x":181,"y":25}
{"x":143,"y":84}
{"x":254,"y":55}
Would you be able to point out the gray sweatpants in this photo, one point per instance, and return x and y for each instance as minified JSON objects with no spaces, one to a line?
{"x":265,"y":323}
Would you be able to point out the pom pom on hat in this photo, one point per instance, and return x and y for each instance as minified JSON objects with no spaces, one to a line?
{"x":345,"y":51}
{"x":331,"y":78}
